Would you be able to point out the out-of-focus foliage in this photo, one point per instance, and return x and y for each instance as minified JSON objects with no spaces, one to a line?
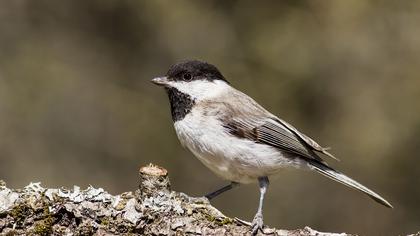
{"x":77,"y":107}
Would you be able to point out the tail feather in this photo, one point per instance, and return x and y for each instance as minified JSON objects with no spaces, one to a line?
{"x":341,"y":178}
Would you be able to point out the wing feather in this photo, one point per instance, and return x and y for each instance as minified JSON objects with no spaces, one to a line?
{"x":273,"y":134}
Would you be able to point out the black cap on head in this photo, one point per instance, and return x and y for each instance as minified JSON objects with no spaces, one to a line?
{"x":194,"y":70}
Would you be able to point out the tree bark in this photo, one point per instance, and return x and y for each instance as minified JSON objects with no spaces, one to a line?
{"x":153,"y":209}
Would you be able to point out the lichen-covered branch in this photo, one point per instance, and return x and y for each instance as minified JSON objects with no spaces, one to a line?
{"x":153,"y":209}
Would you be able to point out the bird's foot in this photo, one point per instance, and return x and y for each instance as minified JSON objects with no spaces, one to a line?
{"x":257,"y":224}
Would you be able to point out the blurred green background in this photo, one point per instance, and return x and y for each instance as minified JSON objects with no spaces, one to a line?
{"x":77,"y":107}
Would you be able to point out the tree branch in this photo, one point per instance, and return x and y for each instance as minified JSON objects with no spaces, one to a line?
{"x":153,"y":209}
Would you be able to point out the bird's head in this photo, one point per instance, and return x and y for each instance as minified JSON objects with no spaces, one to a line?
{"x":197,"y":79}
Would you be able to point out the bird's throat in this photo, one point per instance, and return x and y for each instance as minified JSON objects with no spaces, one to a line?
{"x":181,"y":103}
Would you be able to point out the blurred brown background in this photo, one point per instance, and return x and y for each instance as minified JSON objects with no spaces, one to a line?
{"x":77,"y":107}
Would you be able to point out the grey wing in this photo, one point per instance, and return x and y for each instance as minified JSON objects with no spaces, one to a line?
{"x":272,"y":132}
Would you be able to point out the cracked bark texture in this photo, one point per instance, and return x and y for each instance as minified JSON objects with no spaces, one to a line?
{"x":153,"y":209}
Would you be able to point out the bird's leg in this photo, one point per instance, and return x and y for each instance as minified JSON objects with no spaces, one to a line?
{"x":257,"y":223}
{"x":221,"y":190}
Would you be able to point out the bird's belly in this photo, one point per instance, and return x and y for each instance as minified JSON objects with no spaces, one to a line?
{"x":235,"y":159}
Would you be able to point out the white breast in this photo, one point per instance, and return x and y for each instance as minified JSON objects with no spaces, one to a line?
{"x":235,"y":159}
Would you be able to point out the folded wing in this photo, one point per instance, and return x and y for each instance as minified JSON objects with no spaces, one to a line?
{"x":274,"y":133}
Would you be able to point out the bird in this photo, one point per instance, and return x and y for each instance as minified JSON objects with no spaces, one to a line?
{"x":238,"y":139}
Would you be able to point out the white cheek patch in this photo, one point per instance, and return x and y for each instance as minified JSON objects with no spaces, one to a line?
{"x":200,"y":89}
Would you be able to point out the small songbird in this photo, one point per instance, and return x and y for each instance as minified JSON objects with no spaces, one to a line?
{"x":237,"y":138}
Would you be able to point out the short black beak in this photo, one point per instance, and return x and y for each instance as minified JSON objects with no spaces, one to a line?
{"x":161,"y":81}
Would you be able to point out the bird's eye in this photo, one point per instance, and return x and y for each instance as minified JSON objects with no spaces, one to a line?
{"x":187,"y":76}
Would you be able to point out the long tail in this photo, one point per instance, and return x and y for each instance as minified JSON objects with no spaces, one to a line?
{"x":341,"y":178}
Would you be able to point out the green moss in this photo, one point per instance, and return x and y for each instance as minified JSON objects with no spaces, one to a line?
{"x":218,"y":221}
{"x":105,"y":221}
{"x":44,"y":227}
{"x":209,"y":217}
{"x":226,"y":221}
{"x":20,"y":212}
